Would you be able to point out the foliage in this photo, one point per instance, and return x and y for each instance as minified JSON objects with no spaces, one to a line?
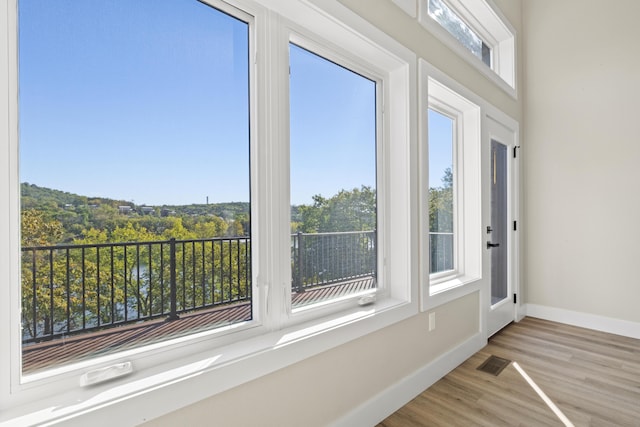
{"x":441,"y":224}
{"x":76,"y":283}
{"x":38,"y":230}
{"x":441,"y":205}
{"x":353,"y":210}
{"x":77,"y":215}
{"x":106,"y":265}
{"x":321,"y":259}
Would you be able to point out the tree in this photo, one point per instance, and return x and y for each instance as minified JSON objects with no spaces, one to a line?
{"x":319,"y":258}
{"x":108,"y":267}
{"x":441,"y":224}
{"x":38,"y":230}
{"x":441,"y":205}
{"x":37,"y":269}
{"x":214,"y":226}
{"x":353,"y":210}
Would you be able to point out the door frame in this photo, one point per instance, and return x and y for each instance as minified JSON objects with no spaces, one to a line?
{"x":503,"y":129}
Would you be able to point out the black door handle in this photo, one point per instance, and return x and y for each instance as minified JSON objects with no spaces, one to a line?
{"x":492,"y":245}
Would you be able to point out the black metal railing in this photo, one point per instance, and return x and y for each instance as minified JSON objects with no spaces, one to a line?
{"x":324,"y":258}
{"x":441,"y":252}
{"x":67,"y":289}
{"x":74,"y":288}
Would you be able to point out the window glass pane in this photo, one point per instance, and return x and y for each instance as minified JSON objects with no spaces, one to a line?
{"x":441,"y":185}
{"x":446,"y":17}
{"x":134,"y":170}
{"x":333,"y":179}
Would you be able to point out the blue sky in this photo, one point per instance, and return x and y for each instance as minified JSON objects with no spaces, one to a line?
{"x":333,"y":127}
{"x":147,"y":101}
{"x":131,"y":100}
{"x":440,"y":146}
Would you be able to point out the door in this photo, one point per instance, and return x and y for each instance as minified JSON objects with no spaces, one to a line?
{"x":501,"y":226}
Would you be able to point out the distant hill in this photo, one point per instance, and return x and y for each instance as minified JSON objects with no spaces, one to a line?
{"x":227,"y":210}
{"x":34,"y":196}
{"x":47,"y":199}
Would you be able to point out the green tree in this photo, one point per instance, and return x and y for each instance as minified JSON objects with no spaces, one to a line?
{"x":214,"y":226}
{"x":441,"y":205}
{"x":317,"y":257}
{"x":37,"y":270}
{"x":38,"y":230}
{"x":115,"y":266}
{"x":353,"y":210}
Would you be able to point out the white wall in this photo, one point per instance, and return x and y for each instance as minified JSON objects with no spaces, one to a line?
{"x":325,"y":388}
{"x":319,"y":390}
{"x":582,"y":156}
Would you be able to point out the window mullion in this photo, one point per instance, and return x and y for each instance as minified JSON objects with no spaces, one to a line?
{"x":273,"y":172}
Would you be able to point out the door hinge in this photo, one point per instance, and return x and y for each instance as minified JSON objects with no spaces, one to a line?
{"x":515,"y":151}
{"x":515,"y":225}
{"x":515,"y":298}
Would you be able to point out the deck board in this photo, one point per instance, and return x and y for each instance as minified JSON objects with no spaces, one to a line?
{"x":78,"y":347}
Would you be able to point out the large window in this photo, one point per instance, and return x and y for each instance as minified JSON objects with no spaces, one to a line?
{"x":333,"y":179}
{"x":192,"y":187}
{"x":134,"y":172}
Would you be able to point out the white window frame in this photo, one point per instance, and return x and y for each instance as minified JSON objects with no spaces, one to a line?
{"x":338,"y":55}
{"x":439,"y":92}
{"x":170,"y":375}
{"x":443,"y":108}
{"x":488,"y":22}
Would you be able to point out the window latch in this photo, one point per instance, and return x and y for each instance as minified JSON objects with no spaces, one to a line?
{"x":105,"y":374}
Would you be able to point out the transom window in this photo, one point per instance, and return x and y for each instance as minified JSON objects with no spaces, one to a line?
{"x":450,"y":21}
{"x":478,"y":32}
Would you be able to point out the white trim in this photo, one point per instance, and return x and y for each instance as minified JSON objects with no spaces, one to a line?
{"x":392,"y":70}
{"x":595,"y":322}
{"x":437,"y":89}
{"x":9,"y":225}
{"x":385,"y":403}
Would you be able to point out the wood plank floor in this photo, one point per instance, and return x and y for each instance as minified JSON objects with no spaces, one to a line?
{"x":593,"y":378}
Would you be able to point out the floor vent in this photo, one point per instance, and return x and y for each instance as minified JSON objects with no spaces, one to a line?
{"x":494,"y":365}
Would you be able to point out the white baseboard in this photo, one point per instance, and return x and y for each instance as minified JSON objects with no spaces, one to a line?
{"x":393,"y":398}
{"x":585,"y":320}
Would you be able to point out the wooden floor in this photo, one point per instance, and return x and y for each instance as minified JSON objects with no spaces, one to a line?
{"x":593,"y":379}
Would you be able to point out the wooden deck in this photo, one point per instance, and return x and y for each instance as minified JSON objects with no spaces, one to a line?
{"x":47,"y":354}
{"x":592,"y":378}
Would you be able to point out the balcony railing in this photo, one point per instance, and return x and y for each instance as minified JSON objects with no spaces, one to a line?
{"x":74,"y":288}
{"x":68,"y":289}
{"x":441,"y":252}
{"x":326,"y":258}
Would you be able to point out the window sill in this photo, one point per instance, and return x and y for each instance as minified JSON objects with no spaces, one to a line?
{"x":145,"y":395}
{"x":449,"y":290}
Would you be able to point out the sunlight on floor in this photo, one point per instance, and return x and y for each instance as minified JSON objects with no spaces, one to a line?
{"x":543,"y":396}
